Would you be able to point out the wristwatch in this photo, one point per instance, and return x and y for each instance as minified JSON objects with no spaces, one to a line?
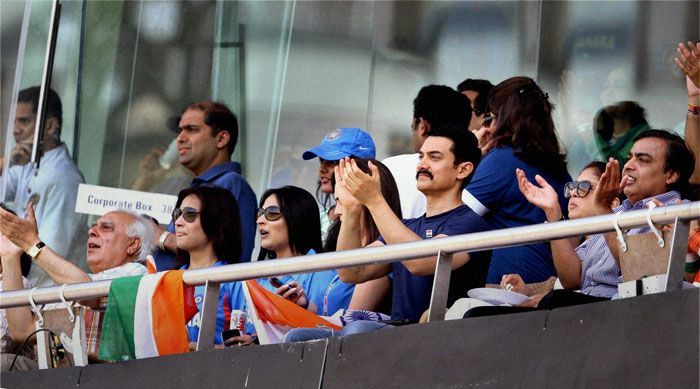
{"x":162,"y":239}
{"x":35,"y":249}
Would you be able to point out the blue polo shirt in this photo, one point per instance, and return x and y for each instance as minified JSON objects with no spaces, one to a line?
{"x":323,"y":288}
{"x":230,"y":297}
{"x":228,"y":176}
{"x":495,"y":195}
{"x":411,"y":293}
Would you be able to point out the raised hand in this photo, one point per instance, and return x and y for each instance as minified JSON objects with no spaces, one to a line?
{"x":609,"y":187}
{"x":21,"y":232}
{"x":688,"y":61}
{"x":9,"y":249}
{"x":543,"y":196}
{"x":364,"y":187}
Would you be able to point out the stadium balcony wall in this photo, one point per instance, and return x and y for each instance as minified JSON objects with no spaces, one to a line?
{"x":644,"y":342}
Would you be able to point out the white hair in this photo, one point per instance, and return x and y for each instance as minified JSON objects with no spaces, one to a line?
{"x":141,"y":228}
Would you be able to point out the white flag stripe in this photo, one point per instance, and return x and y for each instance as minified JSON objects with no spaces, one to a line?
{"x":144,"y":341}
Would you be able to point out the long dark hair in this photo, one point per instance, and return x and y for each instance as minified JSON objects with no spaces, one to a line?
{"x":300,"y":212}
{"x":524,"y":121}
{"x":390,"y":192}
{"x":220,"y":220}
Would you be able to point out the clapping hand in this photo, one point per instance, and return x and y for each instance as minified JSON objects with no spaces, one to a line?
{"x":366,"y":188}
{"x":609,"y":187}
{"x":543,"y":196}
{"x":688,"y":61}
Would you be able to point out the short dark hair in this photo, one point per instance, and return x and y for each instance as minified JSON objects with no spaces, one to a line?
{"x":465,"y":147}
{"x":220,"y":220}
{"x":442,"y":104}
{"x":678,"y":158}
{"x":54,"y":108}
{"x":301,"y":214}
{"x":482,"y":87}
{"x":220,"y":118}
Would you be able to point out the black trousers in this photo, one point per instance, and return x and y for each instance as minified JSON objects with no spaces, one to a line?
{"x":555,"y":299}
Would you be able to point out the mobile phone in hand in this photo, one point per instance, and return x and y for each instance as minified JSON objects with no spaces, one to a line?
{"x":228,"y":334}
{"x":276,"y":282}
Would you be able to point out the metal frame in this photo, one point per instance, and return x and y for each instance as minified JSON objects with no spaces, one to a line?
{"x":46,"y":83}
{"x":480,"y":241}
{"x":443,"y":248}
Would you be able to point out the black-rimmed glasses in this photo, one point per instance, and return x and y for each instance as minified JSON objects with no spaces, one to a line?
{"x":582,"y":188}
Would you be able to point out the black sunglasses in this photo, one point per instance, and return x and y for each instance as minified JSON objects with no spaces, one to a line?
{"x":582,"y":188}
{"x":271,"y":213}
{"x":187,"y":213}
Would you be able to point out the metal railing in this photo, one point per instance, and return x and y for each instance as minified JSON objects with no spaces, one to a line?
{"x":212,"y":277}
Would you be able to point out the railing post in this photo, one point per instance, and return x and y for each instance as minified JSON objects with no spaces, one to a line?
{"x":676,"y":260}
{"x":441,"y":286}
{"x":207,"y":324}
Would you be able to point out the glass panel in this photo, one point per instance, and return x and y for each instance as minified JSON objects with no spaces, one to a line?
{"x":293,"y":71}
{"x":596,"y":54}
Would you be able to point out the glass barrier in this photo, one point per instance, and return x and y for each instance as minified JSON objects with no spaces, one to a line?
{"x":293,"y":71}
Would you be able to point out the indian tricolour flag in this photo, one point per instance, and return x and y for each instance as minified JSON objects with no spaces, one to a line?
{"x":146,"y":317}
{"x":274,"y":316}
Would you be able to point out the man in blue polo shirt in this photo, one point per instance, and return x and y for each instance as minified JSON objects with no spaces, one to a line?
{"x":207,"y":136}
{"x":448,"y":157}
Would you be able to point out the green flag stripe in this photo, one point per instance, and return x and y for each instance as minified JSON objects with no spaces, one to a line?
{"x":117,"y":338}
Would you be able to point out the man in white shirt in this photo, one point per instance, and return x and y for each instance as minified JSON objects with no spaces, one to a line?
{"x":434,"y":104}
{"x":53,"y":189}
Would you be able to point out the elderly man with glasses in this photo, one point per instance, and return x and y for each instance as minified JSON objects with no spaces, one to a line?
{"x":117,"y":246}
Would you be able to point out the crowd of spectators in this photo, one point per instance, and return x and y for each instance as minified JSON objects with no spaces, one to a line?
{"x":486,"y":157}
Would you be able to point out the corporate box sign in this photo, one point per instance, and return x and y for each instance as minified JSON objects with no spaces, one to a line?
{"x":98,"y":200}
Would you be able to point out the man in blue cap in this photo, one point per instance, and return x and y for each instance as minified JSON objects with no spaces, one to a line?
{"x":338,"y":144}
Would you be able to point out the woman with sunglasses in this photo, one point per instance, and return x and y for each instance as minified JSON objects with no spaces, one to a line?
{"x":208,"y":234}
{"x":571,"y":270}
{"x":522,"y":136}
{"x":573,"y":273}
{"x":289,"y":227}
{"x":338,"y":144}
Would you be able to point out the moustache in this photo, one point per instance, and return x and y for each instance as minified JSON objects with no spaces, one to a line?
{"x":426,"y":172}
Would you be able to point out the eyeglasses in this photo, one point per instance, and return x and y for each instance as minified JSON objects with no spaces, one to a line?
{"x":582,"y":188}
{"x":271,"y":213}
{"x":488,"y":119}
{"x":103,"y":226}
{"x":187,"y":213}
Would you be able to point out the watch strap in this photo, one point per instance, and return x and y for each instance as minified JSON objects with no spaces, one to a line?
{"x":35,"y":249}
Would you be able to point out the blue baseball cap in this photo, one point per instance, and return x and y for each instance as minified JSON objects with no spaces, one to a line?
{"x":341,"y":143}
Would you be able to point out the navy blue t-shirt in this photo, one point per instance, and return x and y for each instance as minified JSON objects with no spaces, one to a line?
{"x":411,"y":293}
{"x":495,"y":186}
{"x":228,"y":176}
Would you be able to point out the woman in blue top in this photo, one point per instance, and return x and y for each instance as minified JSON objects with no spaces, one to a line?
{"x":208,"y":233}
{"x":520,"y":134}
{"x":289,"y":227}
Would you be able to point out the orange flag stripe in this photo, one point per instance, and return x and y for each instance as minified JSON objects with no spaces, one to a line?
{"x":168,"y":315}
{"x":274,"y":309}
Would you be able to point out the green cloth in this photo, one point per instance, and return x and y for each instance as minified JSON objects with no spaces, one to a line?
{"x":622,"y":147}
{"x":117,"y":336}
